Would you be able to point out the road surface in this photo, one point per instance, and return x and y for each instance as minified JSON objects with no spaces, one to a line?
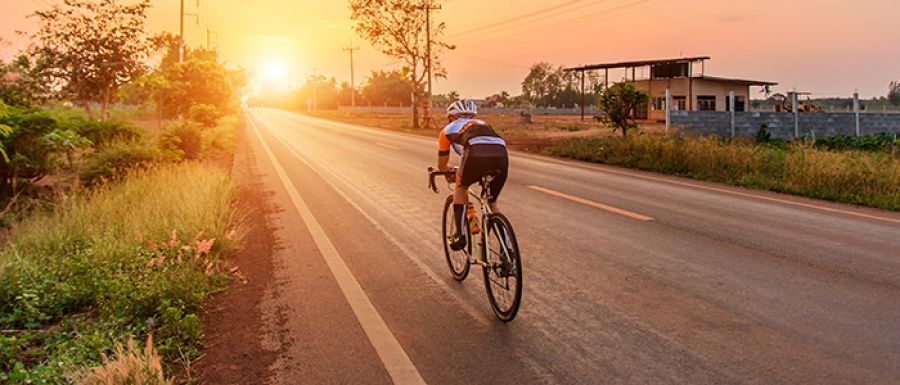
{"x":630,"y":277}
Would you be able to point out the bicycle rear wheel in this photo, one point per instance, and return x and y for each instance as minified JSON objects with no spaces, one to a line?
{"x":503,"y":279}
{"x":458,"y":261}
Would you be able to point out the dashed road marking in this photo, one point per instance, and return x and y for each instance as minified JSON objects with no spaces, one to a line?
{"x":614,"y":210}
{"x":388,"y":146}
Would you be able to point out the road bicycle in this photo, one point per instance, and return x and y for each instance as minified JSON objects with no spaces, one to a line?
{"x":491,"y":244}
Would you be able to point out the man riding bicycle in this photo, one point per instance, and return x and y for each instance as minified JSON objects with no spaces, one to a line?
{"x":481,"y":149}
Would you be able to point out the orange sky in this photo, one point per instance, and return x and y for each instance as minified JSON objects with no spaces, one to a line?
{"x":829,"y":47}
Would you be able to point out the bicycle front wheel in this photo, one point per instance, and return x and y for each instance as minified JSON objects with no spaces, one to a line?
{"x":503,"y":275}
{"x":458,"y":261}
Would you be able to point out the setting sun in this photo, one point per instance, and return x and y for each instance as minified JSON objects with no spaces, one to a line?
{"x":275,"y":72}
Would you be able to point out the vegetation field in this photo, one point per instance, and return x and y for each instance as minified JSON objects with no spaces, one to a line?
{"x":125,"y":260}
{"x":870,"y":178}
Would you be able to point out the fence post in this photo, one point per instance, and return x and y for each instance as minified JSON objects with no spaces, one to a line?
{"x":856,"y":110}
{"x":796,"y":115}
{"x":668,"y":110}
{"x":731,"y":108}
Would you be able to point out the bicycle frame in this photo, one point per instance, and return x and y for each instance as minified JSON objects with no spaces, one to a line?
{"x":480,"y":247}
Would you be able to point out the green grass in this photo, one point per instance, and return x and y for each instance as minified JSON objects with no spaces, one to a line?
{"x":870,"y":178}
{"x":126,"y":259}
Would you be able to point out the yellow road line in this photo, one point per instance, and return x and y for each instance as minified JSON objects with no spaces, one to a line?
{"x":393,"y":357}
{"x":388,"y":146}
{"x":598,"y":205}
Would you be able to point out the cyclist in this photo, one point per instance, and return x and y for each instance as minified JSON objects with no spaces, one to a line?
{"x":481,"y":149}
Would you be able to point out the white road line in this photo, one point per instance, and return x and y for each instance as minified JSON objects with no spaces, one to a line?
{"x":614,"y":210}
{"x":751,"y":195}
{"x":388,"y":146}
{"x":393,"y":357}
{"x":478,"y":316}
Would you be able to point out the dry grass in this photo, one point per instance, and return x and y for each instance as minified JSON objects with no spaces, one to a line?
{"x":857,"y":177}
{"x":129,"y":365}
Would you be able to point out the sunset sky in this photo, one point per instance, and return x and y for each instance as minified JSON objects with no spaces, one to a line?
{"x":829,"y":47}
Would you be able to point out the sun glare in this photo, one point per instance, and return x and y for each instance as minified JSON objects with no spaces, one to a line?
{"x":275,"y":72}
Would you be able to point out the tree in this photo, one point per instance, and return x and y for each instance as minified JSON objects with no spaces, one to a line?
{"x":193,"y":82}
{"x":540,"y":83}
{"x":90,"y":48}
{"x":894,"y":93}
{"x":387,"y":88}
{"x":619,"y":102}
{"x":549,"y":86}
{"x":397,"y":28}
{"x":18,"y":85}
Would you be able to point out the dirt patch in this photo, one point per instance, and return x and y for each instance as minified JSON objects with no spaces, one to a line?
{"x":234,"y":351}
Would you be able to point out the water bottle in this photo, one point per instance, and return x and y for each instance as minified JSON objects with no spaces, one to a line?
{"x":473,"y":219}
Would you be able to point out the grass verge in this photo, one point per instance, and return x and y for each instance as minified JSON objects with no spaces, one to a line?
{"x":856,"y":177}
{"x":126,"y":260}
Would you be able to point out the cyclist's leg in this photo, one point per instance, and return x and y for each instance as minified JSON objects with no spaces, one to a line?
{"x":498,"y":163}
{"x":457,"y":241}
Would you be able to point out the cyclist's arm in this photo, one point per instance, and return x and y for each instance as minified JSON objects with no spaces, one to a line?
{"x":443,"y":160}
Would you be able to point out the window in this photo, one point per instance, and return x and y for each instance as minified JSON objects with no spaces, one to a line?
{"x":706,"y":103}
{"x":659,"y":103}
{"x":679,"y":103}
{"x":739,"y":105}
{"x":640,"y":112}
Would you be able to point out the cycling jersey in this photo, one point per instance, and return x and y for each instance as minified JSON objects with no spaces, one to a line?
{"x":461,"y":133}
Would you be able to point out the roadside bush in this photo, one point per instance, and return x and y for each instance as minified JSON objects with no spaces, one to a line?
{"x":116,"y":160}
{"x":31,"y":156}
{"x":206,"y":115}
{"x":223,"y":137}
{"x":880,"y":142}
{"x":128,"y":365}
{"x":101,"y":133}
{"x":184,"y":138}
{"x":125,"y":260}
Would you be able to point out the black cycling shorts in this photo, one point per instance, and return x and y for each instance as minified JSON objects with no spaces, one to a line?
{"x":481,"y":158}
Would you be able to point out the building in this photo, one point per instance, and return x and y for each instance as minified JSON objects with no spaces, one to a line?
{"x":691,"y":90}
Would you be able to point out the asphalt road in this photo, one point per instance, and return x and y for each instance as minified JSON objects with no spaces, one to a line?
{"x":721,"y":286}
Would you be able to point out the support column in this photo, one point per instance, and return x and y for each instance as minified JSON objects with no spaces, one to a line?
{"x":668,"y":109}
{"x":796,"y":115}
{"x":856,"y":110}
{"x":582,"y":96}
{"x":731,"y":105}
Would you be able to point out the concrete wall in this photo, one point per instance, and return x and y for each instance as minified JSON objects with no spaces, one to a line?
{"x":781,"y":124}
{"x":588,"y":111}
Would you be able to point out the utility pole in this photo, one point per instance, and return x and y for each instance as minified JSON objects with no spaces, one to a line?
{"x":314,"y":86}
{"x":352,"y":79}
{"x":181,"y":30}
{"x":181,"y":34}
{"x":428,"y":8}
{"x":208,"y":33}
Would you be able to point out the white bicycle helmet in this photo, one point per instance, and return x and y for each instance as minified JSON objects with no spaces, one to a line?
{"x":462,"y":107}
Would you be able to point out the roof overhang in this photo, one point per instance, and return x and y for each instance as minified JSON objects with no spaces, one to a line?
{"x":640,"y":63}
{"x":745,"y":82}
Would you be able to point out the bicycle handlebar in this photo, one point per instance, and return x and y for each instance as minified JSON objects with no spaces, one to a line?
{"x":433,"y":173}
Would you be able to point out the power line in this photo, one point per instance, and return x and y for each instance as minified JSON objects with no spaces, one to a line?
{"x":471,"y":57}
{"x":539,"y":12}
{"x":566,"y":24}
